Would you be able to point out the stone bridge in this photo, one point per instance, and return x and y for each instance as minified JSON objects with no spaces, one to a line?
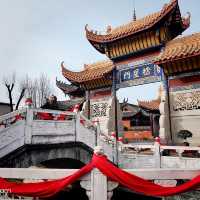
{"x":53,"y":139}
{"x":31,"y":136}
{"x":34,"y":137}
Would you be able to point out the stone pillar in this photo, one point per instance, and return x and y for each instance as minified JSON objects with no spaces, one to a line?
{"x":98,"y":188}
{"x":28,"y":126}
{"x":164,"y":132}
{"x":87,"y":109}
{"x":111,"y":122}
{"x":157,"y":154}
{"x":98,"y":185}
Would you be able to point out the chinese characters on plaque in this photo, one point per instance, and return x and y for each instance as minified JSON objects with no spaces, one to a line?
{"x":138,"y":75}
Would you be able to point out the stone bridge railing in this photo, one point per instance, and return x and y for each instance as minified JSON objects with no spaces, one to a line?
{"x":38,"y":126}
{"x":159,"y":156}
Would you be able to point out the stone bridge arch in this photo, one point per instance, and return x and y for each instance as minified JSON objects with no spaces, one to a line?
{"x":37,"y":155}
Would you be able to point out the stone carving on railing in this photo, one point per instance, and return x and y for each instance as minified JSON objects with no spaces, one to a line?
{"x":186,"y":101}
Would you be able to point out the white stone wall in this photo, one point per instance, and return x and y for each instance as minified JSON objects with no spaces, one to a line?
{"x":185,"y":114}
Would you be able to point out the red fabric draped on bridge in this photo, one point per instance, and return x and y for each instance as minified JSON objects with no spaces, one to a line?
{"x":43,"y":189}
{"x":134,"y":183}
{"x":138,"y":184}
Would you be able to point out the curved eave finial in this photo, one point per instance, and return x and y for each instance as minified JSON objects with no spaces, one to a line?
{"x":93,"y":35}
{"x":62,"y":65}
{"x":63,"y":68}
{"x":69,"y":75}
{"x":186,"y":20}
{"x":86,"y":28}
{"x":88,"y":32}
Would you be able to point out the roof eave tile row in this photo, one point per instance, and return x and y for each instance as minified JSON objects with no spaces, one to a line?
{"x":91,"y":73}
{"x":150,"y":105}
{"x":180,"y":48}
{"x":133,"y":27}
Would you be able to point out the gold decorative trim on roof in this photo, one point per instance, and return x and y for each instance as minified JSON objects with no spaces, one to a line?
{"x":180,"y":48}
{"x":134,"y":26}
{"x":91,"y":72}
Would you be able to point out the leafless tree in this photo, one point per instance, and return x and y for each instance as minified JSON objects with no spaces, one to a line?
{"x":44,"y":89}
{"x":37,"y":89}
{"x":10,"y":83}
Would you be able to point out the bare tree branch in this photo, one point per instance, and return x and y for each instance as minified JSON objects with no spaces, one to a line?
{"x":22,"y":88}
{"x":9,"y":82}
{"x":37,"y":89}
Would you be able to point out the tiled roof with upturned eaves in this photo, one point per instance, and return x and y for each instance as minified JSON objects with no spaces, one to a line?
{"x":135,"y":26}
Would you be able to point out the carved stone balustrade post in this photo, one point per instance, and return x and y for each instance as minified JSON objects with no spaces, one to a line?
{"x":110,"y":187}
{"x":157,"y":154}
{"x":28,"y":126}
{"x":87,"y":186}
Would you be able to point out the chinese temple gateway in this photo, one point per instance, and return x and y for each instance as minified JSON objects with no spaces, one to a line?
{"x":111,"y":149}
{"x":145,"y":50}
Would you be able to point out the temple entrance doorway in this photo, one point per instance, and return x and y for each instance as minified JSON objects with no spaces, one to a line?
{"x":140,"y":112}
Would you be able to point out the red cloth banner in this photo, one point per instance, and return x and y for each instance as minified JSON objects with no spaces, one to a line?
{"x":138,"y":184}
{"x":134,"y":183}
{"x":43,"y":189}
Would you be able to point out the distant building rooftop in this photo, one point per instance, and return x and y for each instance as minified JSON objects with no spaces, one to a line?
{"x":4,"y":108}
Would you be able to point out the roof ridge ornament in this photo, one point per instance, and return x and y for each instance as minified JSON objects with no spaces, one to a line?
{"x":108,"y":29}
{"x":134,"y":12}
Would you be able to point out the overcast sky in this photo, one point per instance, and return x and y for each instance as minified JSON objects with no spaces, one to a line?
{"x":36,"y":35}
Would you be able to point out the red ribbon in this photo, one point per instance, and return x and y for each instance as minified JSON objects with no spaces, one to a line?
{"x":134,"y":183}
